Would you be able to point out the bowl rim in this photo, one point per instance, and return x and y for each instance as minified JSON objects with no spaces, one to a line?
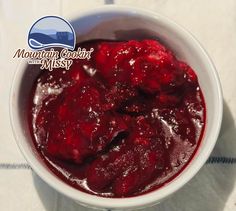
{"x":130,"y":202}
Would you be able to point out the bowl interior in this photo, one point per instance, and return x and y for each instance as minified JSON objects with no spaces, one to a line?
{"x":122,"y":24}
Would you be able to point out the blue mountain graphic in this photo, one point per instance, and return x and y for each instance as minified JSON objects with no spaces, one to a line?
{"x":51,"y":31}
{"x":38,"y":40}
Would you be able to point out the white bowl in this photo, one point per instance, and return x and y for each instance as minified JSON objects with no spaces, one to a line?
{"x":116,"y":22}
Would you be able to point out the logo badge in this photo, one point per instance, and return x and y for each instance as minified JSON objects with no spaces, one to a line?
{"x":45,"y":34}
{"x":51,"y":31}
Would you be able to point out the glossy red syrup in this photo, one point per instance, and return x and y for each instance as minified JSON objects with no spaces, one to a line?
{"x":121,"y":124}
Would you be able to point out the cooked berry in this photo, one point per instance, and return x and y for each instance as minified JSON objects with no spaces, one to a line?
{"x":121,"y":124}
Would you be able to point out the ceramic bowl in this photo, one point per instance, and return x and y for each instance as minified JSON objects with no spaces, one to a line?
{"x":119,"y":23}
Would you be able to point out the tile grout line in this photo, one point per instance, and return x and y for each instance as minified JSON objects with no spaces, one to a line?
{"x":25,"y":166}
{"x":10,"y":166}
{"x":222,"y":160}
{"x":109,"y":2}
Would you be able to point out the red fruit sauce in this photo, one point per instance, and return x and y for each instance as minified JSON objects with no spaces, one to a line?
{"x":121,"y":124}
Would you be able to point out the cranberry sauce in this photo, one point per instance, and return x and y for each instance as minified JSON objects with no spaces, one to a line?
{"x":121,"y":124}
